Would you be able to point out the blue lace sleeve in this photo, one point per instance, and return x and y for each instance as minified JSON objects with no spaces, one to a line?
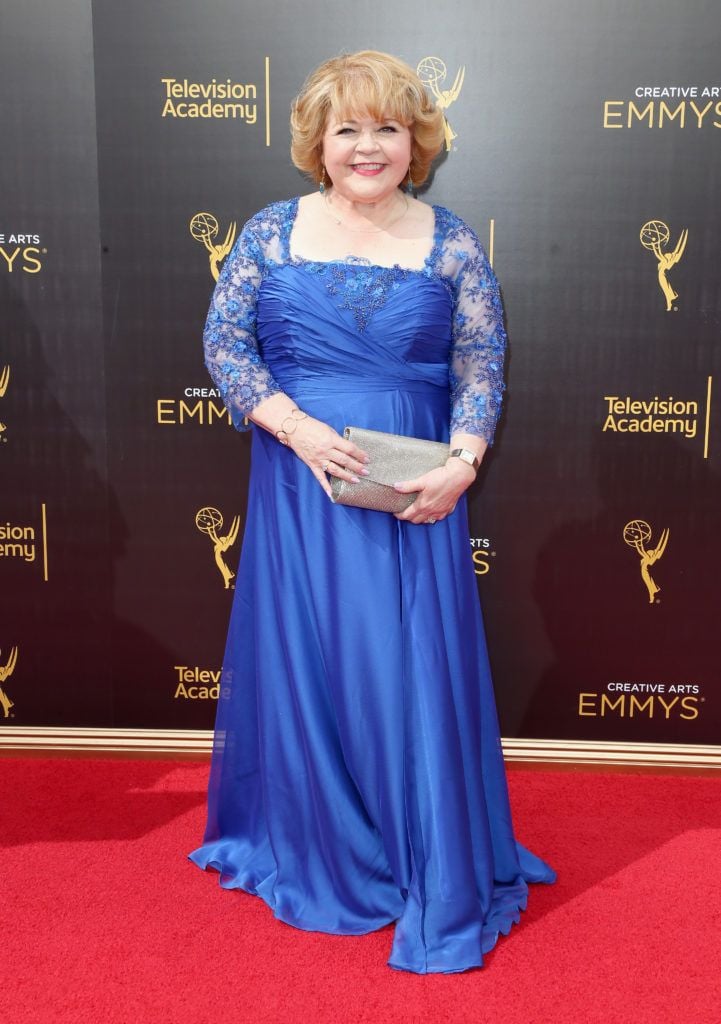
{"x":479,"y":338}
{"x":229,"y":339}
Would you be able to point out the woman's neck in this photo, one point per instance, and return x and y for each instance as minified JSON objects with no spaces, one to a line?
{"x":357,"y":214}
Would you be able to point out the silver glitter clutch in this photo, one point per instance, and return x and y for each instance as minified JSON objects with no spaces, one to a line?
{"x":393,"y":457}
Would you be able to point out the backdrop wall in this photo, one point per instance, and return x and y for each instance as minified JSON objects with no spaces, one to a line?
{"x":582,"y":146}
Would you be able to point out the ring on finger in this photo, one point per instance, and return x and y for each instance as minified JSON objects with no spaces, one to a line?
{"x":325,"y":465}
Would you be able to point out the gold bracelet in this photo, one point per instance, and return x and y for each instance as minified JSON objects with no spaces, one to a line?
{"x":294,"y":421}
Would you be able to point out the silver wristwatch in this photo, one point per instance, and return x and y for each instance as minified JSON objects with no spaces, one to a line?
{"x":467,"y":455}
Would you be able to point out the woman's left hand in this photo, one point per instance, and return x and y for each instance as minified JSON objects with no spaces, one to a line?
{"x":439,"y":491}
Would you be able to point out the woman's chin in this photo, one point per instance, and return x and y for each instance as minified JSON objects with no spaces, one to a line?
{"x":366,"y":188}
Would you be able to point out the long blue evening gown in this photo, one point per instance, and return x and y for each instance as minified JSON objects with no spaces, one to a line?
{"x":357,"y":776}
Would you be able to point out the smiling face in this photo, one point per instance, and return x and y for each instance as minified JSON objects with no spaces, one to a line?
{"x":366,"y":158}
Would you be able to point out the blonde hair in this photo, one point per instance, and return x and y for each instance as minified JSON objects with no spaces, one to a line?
{"x":365,"y":82}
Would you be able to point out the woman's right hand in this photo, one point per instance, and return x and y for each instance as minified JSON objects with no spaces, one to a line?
{"x":324,"y":450}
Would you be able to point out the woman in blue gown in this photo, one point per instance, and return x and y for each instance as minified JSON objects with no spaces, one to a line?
{"x":357,"y":776}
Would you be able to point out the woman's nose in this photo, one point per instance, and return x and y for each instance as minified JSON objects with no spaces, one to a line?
{"x":367,"y":141}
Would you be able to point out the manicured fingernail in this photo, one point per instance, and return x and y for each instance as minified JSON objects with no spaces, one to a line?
{"x":355,"y":479}
{"x":397,"y":486}
{"x":365,"y":472}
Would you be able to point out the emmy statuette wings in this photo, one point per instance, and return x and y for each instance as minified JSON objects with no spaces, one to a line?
{"x":393,"y":457}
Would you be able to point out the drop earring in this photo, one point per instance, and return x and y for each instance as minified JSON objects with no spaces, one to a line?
{"x":321,"y":183}
{"x":409,"y":183}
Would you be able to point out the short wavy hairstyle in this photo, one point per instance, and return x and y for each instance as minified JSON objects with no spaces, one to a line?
{"x":367,"y":82}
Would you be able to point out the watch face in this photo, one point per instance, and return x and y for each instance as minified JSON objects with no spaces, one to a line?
{"x":468,"y":457}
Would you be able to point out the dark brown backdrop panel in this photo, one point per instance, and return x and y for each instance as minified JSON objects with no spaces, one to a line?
{"x":581,"y":148}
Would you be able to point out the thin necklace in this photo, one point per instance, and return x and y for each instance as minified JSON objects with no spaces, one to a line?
{"x":337,"y":219}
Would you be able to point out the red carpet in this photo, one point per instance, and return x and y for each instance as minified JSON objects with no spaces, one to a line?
{"x":104,"y":920}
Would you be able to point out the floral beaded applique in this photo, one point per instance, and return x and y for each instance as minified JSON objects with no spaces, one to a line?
{"x":229,"y":338}
{"x":361,"y":287}
{"x":477,"y":355}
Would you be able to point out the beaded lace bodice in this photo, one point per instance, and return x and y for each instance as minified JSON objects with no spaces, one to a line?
{"x":457,"y":260}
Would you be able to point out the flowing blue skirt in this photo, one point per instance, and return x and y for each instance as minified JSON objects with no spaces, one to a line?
{"x":357,"y":776}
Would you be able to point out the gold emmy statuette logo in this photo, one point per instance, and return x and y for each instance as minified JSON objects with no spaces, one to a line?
{"x":209,"y":520}
{"x":432,"y":72}
{"x":654,"y":235}
{"x":4,"y":381}
{"x":636,"y":534}
{"x":204,"y":228}
{"x":6,"y":671}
